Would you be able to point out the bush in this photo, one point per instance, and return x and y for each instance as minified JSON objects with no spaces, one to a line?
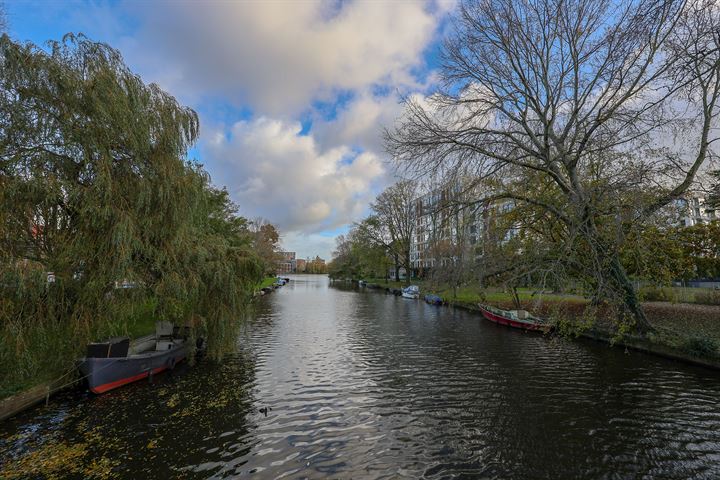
{"x":658,"y":294}
{"x":711,"y":297}
{"x":701,"y":346}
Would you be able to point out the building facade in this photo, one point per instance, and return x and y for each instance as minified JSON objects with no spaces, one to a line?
{"x":300,"y":265}
{"x":446,"y":225}
{"x":451,"y":225}
{"x":286,"y":262}
{"x":693,"y":210}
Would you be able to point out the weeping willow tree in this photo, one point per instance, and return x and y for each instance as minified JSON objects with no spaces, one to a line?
{"x":96,"y":191}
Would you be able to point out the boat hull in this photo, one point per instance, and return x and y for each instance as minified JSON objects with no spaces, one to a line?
{"x":433,"y":300}
{"x":521,"y":324}
{"x":105,"y":374}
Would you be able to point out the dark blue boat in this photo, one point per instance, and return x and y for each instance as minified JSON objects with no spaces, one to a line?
{"x":433,"y":299}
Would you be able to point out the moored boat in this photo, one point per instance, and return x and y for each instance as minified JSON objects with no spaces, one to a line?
{"x":433,"y":299}
{"x":514,"y":318}
{"x":413,"y":292}
{"x":117,"y":362}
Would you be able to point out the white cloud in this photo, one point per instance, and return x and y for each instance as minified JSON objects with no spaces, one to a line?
{"x":361,"y":122}
{"x":275,"y":59}
{"x":279,"y":56}
{"x":309,"y":245}
{"x":274,"y":172}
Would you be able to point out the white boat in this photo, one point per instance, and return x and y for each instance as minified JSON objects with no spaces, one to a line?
{"x":411,"y":292}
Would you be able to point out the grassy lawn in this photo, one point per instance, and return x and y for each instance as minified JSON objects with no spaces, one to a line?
{"x":473,"y":294}
{"x":267,"y":282}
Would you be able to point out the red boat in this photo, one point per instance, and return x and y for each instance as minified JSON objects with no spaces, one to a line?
{"x":514,"y":318}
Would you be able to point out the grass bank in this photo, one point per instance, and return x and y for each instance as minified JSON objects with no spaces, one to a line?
{"x":267,"y":282}
{"x":36,"y":361}
{"x":685,"y":329}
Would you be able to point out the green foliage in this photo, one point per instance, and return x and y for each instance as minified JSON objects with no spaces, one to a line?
{"x":709,"y":297}
{"x":95,"y":187}
{"x":702,"y":246}
{"x":701,"y":346}
{"x":360,"y":254}
{"x":657,"y":255}
{"x":658,"y":294}
{"x":267,"y":282}
{"x":265,"y":242}
{"x":573,"y":322}
{"x":316,"y":265}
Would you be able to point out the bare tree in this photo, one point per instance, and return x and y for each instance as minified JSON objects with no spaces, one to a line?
{"x":395,"y":211}
{"x":570,"y":107}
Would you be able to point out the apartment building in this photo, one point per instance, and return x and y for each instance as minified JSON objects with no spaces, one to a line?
{"x":450,"y":223}
{"x":286,"y":262}
{"x":447,"y":224}
{"x":693,"y":210}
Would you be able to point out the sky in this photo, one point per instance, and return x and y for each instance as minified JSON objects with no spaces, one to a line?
{"x":292,"y":95}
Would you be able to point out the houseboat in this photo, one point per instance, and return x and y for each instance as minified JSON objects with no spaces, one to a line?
{"x":117,"y":362}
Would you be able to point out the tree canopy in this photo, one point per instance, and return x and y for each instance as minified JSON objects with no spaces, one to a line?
{"x":96,"y":187}
{"x":566,"y":108}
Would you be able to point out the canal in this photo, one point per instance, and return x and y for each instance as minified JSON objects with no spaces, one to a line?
{"x":333,"y":382}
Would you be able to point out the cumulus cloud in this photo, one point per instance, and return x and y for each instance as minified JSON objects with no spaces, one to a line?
{"x":279,"y":56}
{"x":274,"y":172}
{"x":275,"y":62}
{"x":309,"y":245}
{"x":360,"y":122}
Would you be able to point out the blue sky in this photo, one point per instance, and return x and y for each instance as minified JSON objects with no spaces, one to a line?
{"x":292,"y":96}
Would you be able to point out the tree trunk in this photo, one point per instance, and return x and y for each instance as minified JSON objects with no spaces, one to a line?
{"x":407,"y":268}
{"x":615,"y":272}
{"x":516,"y":297}
{"x":630,"y":298}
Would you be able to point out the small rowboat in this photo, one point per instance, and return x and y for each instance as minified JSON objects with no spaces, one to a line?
{"x":514,"y":318}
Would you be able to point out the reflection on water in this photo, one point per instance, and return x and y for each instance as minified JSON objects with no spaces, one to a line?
{"x":358,"y":384}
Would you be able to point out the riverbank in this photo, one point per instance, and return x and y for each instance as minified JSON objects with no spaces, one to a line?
{"x":140,"y":321}
{"x":455,"y":392}
{"x":27,"y":392}
{"x":688,"y":332}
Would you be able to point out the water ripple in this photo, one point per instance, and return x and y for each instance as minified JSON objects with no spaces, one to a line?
{"x":364,"y":385}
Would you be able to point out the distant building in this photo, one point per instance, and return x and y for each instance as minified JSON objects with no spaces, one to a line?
{"x":450,"y":223}
{"x":286,"y":262}
{"x":316,"y":266}
{"x":692,"y":210}
{"x":401,"y":272}
{"x":440,"y":222}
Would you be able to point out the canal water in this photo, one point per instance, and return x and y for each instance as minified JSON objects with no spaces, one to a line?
{"x":334,"y":382}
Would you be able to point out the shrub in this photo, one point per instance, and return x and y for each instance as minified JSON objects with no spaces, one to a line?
{"x":701,"y":346}
{"x":710,"y":297}
{"x":658,"y":294}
